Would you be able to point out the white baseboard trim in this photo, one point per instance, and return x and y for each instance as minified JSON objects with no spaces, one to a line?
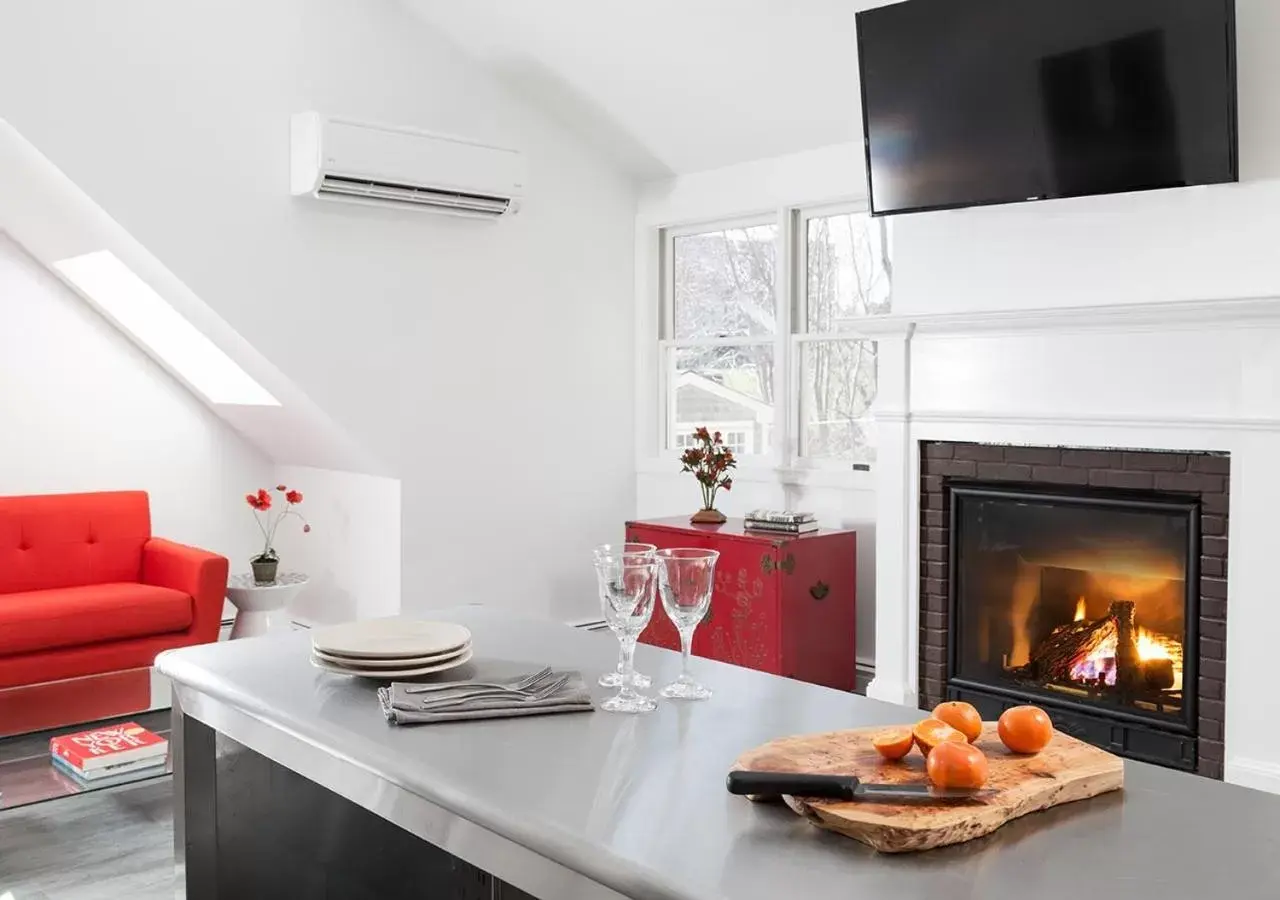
{"x":901,"y":694}
{"x":1253,"y":773}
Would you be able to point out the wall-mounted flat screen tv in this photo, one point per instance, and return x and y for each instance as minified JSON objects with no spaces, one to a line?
{"x":969,"y":102}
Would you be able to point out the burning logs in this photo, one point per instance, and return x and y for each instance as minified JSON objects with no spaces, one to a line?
{"x":1128,"y":663}
{"x":1110,"y":652}
{"x":1066,"y":646}
{"x":1110,"y":642}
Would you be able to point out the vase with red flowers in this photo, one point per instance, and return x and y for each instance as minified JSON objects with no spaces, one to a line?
{"x":710,"y":461}
{"x":266,"y":563}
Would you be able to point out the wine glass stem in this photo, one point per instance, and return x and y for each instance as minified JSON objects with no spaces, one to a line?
{"x":686,"y":648}
{"x":628,"y":666}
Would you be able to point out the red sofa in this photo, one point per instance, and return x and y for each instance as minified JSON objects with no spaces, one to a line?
{"x":85,"y":588}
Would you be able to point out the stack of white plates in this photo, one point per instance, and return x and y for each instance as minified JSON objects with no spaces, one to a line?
{"x":390,"y":648}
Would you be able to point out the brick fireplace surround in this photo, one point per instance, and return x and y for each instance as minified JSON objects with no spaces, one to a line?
{"x":1202,"y":476}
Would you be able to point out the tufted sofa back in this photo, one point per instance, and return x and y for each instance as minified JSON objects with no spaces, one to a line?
{"x":68,"y":540}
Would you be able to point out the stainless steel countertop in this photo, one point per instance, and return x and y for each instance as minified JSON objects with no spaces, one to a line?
{"x":636,"y":806}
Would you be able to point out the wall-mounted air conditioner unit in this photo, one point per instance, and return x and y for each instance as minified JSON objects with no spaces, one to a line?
{"x":340,"y":159}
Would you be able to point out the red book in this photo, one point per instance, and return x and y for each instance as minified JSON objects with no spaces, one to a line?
{"x":109,"y":746}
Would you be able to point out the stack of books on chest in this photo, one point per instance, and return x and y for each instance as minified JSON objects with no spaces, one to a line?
{"x":781,"y":521}
{"x":110,"y":754}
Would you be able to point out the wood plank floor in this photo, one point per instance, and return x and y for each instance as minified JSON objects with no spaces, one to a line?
{"x":106,"y":845}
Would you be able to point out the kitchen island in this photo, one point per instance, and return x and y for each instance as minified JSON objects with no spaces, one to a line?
{"x":290,"y":782}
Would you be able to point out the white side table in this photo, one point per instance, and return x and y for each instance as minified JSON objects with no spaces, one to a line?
{"x":259,"y":606}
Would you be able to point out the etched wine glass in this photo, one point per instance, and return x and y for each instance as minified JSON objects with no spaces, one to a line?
{"x":614,"y":678}
{"x":686,"y":577}
{"x":628,"y":590}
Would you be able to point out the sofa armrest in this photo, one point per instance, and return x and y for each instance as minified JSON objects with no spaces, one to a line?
{"x":200,"y":574}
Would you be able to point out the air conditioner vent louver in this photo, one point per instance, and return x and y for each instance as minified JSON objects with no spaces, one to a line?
{"x":405,"y":195}
{"x":356,"y":162}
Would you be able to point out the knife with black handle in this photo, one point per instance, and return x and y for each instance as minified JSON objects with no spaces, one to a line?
{"x":843,"y":787}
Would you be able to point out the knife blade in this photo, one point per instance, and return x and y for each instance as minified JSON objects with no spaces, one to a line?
{"x":844,"y":787}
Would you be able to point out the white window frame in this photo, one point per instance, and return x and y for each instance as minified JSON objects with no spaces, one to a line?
{"x":668,"y":345}
{"x":783,"y":462}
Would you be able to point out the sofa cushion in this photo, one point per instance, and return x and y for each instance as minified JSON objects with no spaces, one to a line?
{"x":65,"y":540}
{"x":68,"y":617}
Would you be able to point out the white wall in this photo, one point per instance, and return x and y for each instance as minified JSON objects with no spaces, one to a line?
{"x":352,"y":553}
{"x":472,"y":357}
{"x":821,"y":175}
{"x":83,"y":409}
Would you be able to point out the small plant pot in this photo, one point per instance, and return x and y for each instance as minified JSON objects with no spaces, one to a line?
{"x":264,"y":570}
{"x":708,"y":517}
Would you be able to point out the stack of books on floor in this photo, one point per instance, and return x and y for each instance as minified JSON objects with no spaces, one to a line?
{"x":781,"y":521}
{"x":110,"y":754}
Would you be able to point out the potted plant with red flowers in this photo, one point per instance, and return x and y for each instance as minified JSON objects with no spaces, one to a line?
{"x":266,"y":563}
{"x":710,"y":461}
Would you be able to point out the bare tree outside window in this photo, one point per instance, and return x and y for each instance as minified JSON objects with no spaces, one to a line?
{"x":847,"y":277}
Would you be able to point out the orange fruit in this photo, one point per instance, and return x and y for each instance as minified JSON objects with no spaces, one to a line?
{"x":962,"y":717}
{"x":1025,"y":729}
{"x":893,"y":743}
{"x":929,"y":733}
{"x":957,"y":764}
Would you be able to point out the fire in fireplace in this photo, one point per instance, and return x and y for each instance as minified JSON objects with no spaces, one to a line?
{"x":1087,"y":599}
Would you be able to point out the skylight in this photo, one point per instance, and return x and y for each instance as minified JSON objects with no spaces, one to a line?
{"x":138,"y":309}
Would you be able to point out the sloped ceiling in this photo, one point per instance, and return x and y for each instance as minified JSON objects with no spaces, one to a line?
{"x":52,"y":219}
{"x":674,"y":86}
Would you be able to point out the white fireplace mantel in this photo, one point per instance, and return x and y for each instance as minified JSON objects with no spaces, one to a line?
{"x":1240,"y":311}
{"x":1196,"y":375}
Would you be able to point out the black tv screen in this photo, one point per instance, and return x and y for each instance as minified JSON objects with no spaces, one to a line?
{"x":969,"y":102}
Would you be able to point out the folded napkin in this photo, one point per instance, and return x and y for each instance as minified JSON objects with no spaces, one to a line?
{"x":404,"y":708}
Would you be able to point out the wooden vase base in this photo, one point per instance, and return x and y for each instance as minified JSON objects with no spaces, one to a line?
{"x":708,"y":517}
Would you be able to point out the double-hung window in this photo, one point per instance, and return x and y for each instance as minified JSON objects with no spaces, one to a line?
{"x":759,"y":334}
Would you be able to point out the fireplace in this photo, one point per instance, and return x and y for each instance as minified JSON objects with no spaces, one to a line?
{"x":1079,"y":588}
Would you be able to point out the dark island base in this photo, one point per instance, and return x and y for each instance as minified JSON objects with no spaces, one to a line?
{"x":252,"y":828}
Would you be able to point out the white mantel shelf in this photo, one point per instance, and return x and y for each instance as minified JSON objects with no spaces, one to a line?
{"x":1143,"y":317}
{"x":1208,"y":423}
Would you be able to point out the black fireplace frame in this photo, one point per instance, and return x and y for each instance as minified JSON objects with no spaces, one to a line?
{"x":1193,"y":475}
{"x":962,"y":688}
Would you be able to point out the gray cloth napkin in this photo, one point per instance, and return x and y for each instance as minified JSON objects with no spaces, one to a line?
{"x":404,"y":708}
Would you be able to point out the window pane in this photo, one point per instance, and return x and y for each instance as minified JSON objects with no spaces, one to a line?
{"x":839,"y":382}
{"x":723,"y":283}
{"x":848,"y":275}
{"x":726,"y":389}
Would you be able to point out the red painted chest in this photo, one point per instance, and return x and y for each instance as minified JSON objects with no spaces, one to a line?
{"x":784,"y":605}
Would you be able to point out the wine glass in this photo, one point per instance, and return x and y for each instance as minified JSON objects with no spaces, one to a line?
{"x":686,"y":577}
{"x":628,"y":589}
{"x":614,"y":678}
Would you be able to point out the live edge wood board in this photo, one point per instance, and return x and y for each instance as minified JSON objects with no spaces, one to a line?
{"x":1064,"y":771}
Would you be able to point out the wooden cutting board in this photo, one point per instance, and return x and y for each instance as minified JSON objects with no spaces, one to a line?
{"x":1066,"y":770}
